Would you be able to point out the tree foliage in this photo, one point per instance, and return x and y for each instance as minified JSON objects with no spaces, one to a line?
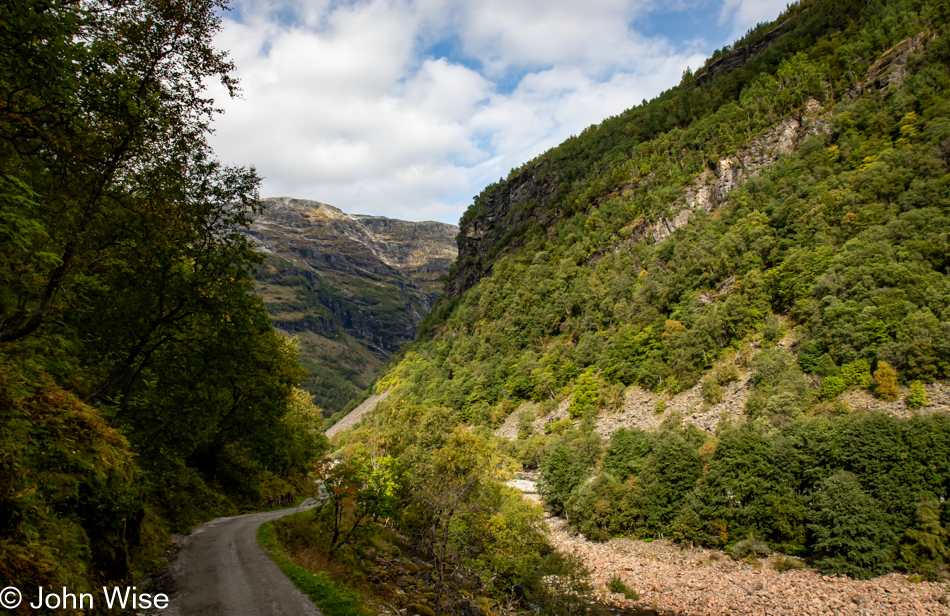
{"x":125,"y":287}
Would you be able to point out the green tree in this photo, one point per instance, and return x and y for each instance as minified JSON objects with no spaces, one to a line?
{"x":917,"y":397}
{"x":850,"y":533}
{"x":924,"y":547}
{"x":561,"y":471}
{"x":668,"y":477}
{"x":356,"y":491}
{"x":627,"y":452}
{"x":454,"y":489}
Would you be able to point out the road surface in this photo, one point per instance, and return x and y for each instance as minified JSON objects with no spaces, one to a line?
{"x":222,"y":571}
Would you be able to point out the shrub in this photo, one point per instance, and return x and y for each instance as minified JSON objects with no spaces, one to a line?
{"x":787,"y":563}
{"x":885,"y":382}
{"x":771,"y":328}
{"x":593,"y":532}
{"x":603,"y":507}
{"x":750,"y":549}
{"x":559,"y":426}
{"x":917,"y":398}
{"x":525,"y":419}
{"x":725,"y":373}
{"x":712,"y":391}
{"x":825,"y":366}
{"x":618,"y":586}
{"x":660,"y":407}
{"x":856,"y":374}
{"x":585,"y":394}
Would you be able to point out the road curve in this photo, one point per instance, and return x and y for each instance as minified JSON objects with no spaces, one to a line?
{"x":222,"y":571}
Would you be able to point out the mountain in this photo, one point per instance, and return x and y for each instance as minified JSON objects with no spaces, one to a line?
{"x":750,"y":275}
{"x":352,"y":289}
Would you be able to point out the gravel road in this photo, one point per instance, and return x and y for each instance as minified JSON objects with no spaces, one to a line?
{"x":220,"y":570}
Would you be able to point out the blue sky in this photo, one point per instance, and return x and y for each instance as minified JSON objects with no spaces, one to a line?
{"x":408,"y":108}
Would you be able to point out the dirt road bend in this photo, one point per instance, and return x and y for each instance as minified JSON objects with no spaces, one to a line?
{"x":222,"y":571}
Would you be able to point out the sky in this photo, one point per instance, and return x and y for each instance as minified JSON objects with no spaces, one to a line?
{"x":409,"y":108}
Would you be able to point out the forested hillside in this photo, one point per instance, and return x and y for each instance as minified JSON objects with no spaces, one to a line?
{"x":781,"y":216}
{"x":142,"y":387}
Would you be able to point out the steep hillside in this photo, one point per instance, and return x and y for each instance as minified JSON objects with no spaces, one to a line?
{"x":353,"y":289}
{"x":778,"y":224}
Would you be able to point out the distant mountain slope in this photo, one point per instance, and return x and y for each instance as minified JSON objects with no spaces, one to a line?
{"x":352,"y":288}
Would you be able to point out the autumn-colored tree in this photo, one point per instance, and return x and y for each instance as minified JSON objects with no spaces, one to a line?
{"x":885,"y":382}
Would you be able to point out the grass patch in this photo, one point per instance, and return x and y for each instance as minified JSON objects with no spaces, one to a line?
{"x":788,"y":563}
{"x":332,"y":598}
{"x":616,"y":585}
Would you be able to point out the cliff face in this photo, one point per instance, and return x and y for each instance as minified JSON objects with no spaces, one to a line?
{"x":499,"y":215}
{"x":737,"y":58}
{"x":352,"y":288}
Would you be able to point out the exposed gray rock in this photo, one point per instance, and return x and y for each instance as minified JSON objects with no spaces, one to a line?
{"x":710,"y":189}
{"x":356,"y":414}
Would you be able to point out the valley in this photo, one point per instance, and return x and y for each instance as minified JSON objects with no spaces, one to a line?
{"x":352,"y":289}
{"x":695,"y":359}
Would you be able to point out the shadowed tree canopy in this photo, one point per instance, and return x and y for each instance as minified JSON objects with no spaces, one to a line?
{"x":125,"y":284}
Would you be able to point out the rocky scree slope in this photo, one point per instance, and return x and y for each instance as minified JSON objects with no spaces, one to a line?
{"x":352,"y":288}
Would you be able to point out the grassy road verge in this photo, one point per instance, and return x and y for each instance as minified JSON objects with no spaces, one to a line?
{"x":333,"y":598}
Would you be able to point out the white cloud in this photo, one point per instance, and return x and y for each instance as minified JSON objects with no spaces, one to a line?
{"x":745,"y":14}
{"x":341,"y":103}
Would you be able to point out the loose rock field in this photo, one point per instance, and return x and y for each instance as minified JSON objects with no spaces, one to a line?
{"x":677,"y":581}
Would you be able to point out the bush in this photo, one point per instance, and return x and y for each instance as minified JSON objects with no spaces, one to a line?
{"x":787,"y":563}
{"x":726,"y":373}
{"x":618,"y":586}
{"x":885,"y":382}
{"x":856,"y":374}
{"x":603,"y":507}
{"x":917,"y":398}
{"x":525,"y":419}
{"x":750,"y":549}
{"x":585,"y":397}
{"x":558,"y":427}
{"x":712,"y":391}
{"x":771,"y":328}
{"x":850,"y":532}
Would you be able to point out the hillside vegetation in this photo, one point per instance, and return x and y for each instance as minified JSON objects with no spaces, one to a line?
{"x":142,"y":387}
{"x":794,"y":189}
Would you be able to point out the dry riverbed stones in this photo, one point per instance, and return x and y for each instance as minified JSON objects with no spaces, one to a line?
{"x":679,"y":581}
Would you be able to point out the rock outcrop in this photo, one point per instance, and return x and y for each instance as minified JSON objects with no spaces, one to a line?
{"x":890,"y":69}
{"x":498,"y":215}
{"x":738,"y":57}
{"x":712,"y":187}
